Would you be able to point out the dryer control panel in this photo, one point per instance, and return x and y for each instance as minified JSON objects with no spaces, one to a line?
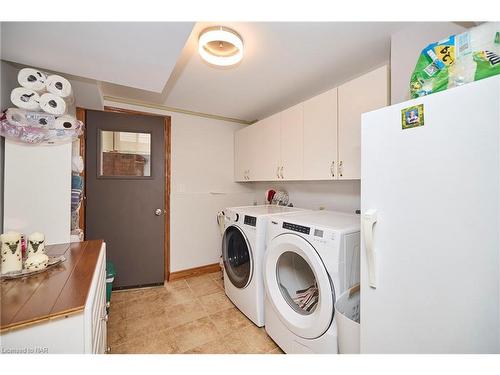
{"x":296,"y":228}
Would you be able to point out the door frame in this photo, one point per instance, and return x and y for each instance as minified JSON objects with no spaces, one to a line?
{"x":81,"y":115}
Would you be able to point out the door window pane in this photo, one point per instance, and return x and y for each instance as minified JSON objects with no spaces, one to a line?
{"x":125,"y":154}
{"x":297,"y":283}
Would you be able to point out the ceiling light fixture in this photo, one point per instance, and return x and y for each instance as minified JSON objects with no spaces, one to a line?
{"x":220,"y":46}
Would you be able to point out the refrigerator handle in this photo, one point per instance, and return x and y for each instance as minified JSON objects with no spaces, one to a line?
{"x":369,"y":220}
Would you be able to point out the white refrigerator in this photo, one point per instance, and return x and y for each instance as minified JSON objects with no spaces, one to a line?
{"x":430,"y":186}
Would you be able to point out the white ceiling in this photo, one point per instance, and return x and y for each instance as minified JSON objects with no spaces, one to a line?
{"x":136,"y":54}
{"x":284,"y":63}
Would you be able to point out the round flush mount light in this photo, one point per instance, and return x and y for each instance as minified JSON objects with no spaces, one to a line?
{"x":220,"y":46}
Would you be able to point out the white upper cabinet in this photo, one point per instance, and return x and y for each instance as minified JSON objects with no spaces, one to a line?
{"x":320,"y":136}
{"x":267,"y":151}
{"x":363,"y":94}
{"x":244,"y":147}
{"x":292,"y":143}
{"x":319,"y":139}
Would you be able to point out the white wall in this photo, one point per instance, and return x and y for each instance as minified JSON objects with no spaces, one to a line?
{"x":329,"y":195}
{"x":201,"y":185}
{"x":406,"y":45}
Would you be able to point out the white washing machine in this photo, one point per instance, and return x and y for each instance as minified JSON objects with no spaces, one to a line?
{"x":243,"y":247}
{"x":311,"y":259}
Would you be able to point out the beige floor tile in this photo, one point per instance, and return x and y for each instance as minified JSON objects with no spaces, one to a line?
{"x":176,"y":284}
{"x":215,"y":275}
{"x":198,"y":279}
{"x":215,"y":302}
{"x":176,"y":296}
{"x":217,"y":346}
{"x":229,"y":320}
{"x":249,"y":340}
{"x":220,"y":283}
{"x":183,"y":313}
{"x":161,"y":342}
{"x":172,"y":319}
{"x":207,"y":286}
{"x":194,"y":334}
{"x":125,"y":295}
{"x":276,"y":350}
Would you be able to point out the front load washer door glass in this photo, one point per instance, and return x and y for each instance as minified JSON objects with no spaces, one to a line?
{"x":297,"y":283}
{"x":237,"y":257}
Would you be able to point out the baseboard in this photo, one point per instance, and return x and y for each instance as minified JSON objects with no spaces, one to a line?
{"x":196,"y":271}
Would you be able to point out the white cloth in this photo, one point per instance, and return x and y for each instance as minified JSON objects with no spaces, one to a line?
{"x":25,"y":98}
{"x":77,"y":164}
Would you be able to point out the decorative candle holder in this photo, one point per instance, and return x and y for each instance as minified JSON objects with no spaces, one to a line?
{"x":36,"y":244}
{"x":11,"y":252}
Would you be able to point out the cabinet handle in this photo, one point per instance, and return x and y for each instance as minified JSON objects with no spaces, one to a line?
{"x":332,"y":168}
{"x":282,"y":172}
{"x":340,"y":168}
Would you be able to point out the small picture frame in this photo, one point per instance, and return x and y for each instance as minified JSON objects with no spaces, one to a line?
{"x":412,"y":117}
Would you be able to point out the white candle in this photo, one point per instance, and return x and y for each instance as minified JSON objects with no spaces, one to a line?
{"x":36,"y":244}
{"x":11,"y":252}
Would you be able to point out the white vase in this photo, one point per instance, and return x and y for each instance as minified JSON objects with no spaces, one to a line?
{"x":11,"y":252}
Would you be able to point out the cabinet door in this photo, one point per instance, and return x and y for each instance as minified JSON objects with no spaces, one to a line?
{"x":292,"y":160}
{"x":244,"y":150}
{"x":320,"y":136}
{"x":363,"y":94}
{"x":266,"y":149}
{"x":240,"y":154}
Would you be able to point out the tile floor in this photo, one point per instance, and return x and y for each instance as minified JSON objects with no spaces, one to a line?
{"x":185,"y":316}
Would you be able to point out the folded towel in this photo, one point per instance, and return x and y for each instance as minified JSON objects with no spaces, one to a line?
{"x":76,"y":182}
{"x":76,"y":198}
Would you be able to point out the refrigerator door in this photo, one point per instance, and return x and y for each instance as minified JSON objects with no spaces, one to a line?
{"x":430,"y":206}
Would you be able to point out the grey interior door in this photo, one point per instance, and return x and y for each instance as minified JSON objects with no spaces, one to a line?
{"x":125,"y":164}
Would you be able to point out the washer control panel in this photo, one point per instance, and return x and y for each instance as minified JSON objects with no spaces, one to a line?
{"x":250,"y":220}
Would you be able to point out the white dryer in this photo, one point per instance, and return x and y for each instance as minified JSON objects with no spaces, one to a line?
{"x":311,"y":259}
{"x":243,"y":247}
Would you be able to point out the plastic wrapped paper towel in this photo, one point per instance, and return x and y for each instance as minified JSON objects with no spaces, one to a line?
{"x":459,"y":59}
{"x":53,"y":104}
{"x":32,"y":79}
{"x":59,"y":86}
{"x":25,"y":98}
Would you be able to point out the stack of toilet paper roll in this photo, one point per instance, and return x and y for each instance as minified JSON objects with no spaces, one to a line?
{"x":45,"y":110}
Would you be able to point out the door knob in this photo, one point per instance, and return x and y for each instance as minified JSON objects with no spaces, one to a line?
{"x":158,"y":211}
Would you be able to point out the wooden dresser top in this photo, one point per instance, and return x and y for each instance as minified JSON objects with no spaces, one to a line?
{"x":57,"y":292}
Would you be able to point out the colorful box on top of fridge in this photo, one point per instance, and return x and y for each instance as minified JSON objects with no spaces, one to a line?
{"x":457,"y":60}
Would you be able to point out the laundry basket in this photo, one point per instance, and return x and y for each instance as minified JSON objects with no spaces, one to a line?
{"x":347,"y":319}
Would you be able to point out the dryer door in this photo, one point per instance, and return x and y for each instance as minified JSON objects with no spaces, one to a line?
{"x":237,"y":256}
{"x":298,"y":286}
